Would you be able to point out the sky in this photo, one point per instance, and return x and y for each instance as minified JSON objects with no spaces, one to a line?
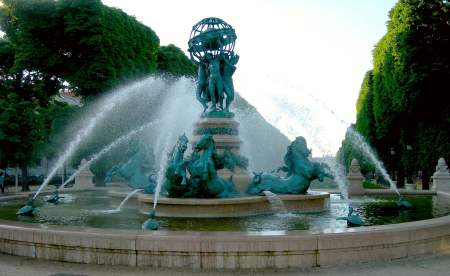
{"x":310,"y":54}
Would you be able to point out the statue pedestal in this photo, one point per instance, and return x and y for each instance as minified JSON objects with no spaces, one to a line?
{"x":85,"y":178}
{"x":226,"y":136}
{"x":441,"y":178}
{"x":355,"y":179}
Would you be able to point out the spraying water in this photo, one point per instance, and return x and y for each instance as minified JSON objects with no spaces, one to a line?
{"x":176,"y":116}
{"x":105,"y":150}
{"x":128,"y":197}
{"x":359,"y":141}
{"x":276,"y":204}
{"x":339,"y":177}
{"x":298,"y":121}
{"x":161,"y":173}
{"x":104,"y":108}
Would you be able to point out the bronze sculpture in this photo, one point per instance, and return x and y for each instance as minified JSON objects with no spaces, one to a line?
{"x":211,"y":47}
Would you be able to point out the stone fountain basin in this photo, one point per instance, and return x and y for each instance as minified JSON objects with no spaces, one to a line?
{"x":226,"y":250}
{"x":222,"y":207}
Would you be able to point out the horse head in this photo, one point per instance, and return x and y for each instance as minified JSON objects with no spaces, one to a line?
{"x":257,"y":177}
{"x":205,"y":142}
{"x":182,"y":143}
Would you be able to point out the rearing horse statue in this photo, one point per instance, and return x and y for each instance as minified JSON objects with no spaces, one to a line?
{"x":300,"y":171}
{"x":176,"y":179}
{"x":203,"y":170}
{"x":138,"y":170}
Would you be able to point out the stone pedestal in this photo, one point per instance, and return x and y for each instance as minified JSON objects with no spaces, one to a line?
{"x":410,"y":186}
{"x":226,"y":136}
{"x":355,"y":179}
{"x":441,"y":178}
{"x":85,"y":177}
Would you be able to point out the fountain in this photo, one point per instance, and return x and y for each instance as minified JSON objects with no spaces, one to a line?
{"x":216,"y":169}
{"x":197,"y":180}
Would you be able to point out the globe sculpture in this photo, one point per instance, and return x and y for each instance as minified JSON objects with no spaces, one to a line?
{"x":211,"y":47}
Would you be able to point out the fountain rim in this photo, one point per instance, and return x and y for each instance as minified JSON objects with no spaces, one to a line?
{"x":401,"y":226}
{"x":229,"y":250}
{"x":21,"y":225}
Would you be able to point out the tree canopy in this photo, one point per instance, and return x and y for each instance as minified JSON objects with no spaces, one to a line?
{"x":83,"y":45}
{"x":401,"y":106}
{"x":172,"y":60}
{"x":89,"y":45}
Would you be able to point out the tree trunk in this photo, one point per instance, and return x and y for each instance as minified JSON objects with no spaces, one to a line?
{"x":425,"y":180}
{"x":25,"y":186}
{"x":401,"y":178}
{"x":16,"y":179}
{"x":99,"y":180}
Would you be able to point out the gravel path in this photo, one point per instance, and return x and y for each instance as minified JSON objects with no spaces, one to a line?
{"x":18,"y":266}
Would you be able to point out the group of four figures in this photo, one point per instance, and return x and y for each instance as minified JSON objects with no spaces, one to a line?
{"x":215,"y":83}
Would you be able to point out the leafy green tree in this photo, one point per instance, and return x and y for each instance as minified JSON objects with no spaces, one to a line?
{"x":89,"y":45}
{"x":401,"y":106}
{"x":173,"y":61}
{"x":23,"y":100}
{"x":349,"y":151}
{"x":92,"y":48}
{"x":365,"y":121}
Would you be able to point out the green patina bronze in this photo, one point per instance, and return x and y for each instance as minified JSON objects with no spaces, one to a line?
{"x":201,"y":166}
{"x":28,"y":209}
{"x":151,"y":223}
{"x":353,"y":220}
{"x":211,"y":46}
{"x":55,"y":198}
{"x":138,"y":170}
{"x":300,"y":171}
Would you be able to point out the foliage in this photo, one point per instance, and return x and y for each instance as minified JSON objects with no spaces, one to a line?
{"x":402,"y":99}
{"x":173,"y":61}
{"x":23,"y":101}
{"x":87,"y":47}
{"x":365,"y":121}
{"x":349,"y":151}
{"x":92,"y":46}
{"x":373,"y":185}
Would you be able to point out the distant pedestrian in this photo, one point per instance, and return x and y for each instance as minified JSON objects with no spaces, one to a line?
{"x":2,"y":182}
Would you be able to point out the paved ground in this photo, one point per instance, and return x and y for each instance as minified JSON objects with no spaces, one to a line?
{"x":20,"y":266}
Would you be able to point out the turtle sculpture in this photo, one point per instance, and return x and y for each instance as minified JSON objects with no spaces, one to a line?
{"x":54,"y":198}
{"x":352,"y":219}
{"x":28,"y":209}
{"x":151,"y":223}
{"x":403,"y":204}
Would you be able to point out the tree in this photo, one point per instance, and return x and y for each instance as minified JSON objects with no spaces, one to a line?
{"x":91,"y":46}
{"x":349,"y":151}
{"x":173,"y":61}
{"x":23,"y":100}
{"x":87,"y":46}
{"x":404,"y":108}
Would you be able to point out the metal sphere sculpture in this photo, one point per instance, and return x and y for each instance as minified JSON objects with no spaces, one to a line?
{"x":211,"y":35}
{"x":211,"y":47}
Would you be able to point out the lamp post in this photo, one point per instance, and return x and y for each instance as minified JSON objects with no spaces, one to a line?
{"x":393,"y":164}
{"x":409,"y":180}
